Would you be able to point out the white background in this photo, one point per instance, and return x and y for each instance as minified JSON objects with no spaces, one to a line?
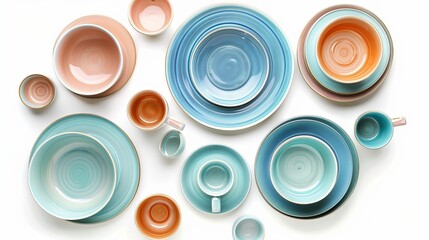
{"x":390,"y":200}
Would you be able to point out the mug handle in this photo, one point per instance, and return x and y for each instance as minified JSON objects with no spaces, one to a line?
{"x":175,"y":123}
{"x":399,"y":121}
{"x":216,"y":208}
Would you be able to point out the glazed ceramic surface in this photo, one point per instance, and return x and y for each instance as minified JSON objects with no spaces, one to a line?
{"x":188,"y":97}
{"x":229,"y":66}
{"x":190,"y":172}
{"x":125,"y":40}
{"x":303,"y":169}
{"x":148,"y":110}
{"x":173,"y":144}
{"x":349,"y":50}
{"x":158,"y":217}
{"x":340,"y":143}
{"x":314,"y":84}
{"x":311,"y":52}
{"x":248,"y":228}
{"x":120,"y":148}
{"x":72,"y":176}
{"x":374,"y":130}
{"x":150,"y":17}
{"x":37,"y":91}
{"x":88,"y":59}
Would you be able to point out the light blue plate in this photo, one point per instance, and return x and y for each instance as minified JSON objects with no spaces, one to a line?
{"x":336,"y":138}
{"x":229,"y":66}
{"x":120,"y":148}
{"x":233,"y":198}
{"x":229,"y":118}
{"x":310,"y":50}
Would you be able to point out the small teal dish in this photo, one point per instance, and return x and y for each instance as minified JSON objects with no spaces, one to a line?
{"x":173,"y":144}
{"x":311,"y":52}
{"x":304,"y":169}
{"x":374,"y":130}
{"x":120,"y":147}
{"x":229,"y":66}
{"x":184,"y":90}
{"x":340,"y":143}
{"x":72,"y":176}
{"x":248,"y":228}
{"x":240,"y":173}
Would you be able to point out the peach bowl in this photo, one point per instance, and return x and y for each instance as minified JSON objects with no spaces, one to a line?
{"x":36,"y":91}
{"x":349,"y":50}
{"x":150,"y":17}
{"x":88,"y":59}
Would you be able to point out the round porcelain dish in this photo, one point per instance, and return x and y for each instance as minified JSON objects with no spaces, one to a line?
{"x":314,"y":84}
{"x":248,"y":228}
{"x":121,"y":149}
{"x":340,"y":143}
{"x":190,"y":171}
{"x":72,"y":176}
{"x":229,"y":66}
{"x":150,"y":17}
{"x":88,"y":59}
{"x":37,"y":91}
{"x":304,"y":169}
{"x":231,"y":118}
{"x":310,"y":50}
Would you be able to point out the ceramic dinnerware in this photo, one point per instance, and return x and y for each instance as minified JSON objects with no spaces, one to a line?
{"x":150,"y":17}
{"x":120,"y":147}
{"x":37,"y":91}
{"x":148,"y":110}
{"x":173,"y":144}
{"x":158,"y":217}
{"x":88,"y":59}
{"x":314,"y":84}
{"x":349,"y":49}
{"x":72,"y":176}
{"x":190,"y":172}
{"x":215,"y":178}
{"x":374,"y":130}
{"x":125,"y":40}
{"x":340,"y":143}
{"x":229,"y":118}
{"x":248,"y":228}
{"x":303,"y":169}
{"x":229,"y":66}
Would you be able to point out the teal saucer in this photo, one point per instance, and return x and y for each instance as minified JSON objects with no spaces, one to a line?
{"x":189,"y":178}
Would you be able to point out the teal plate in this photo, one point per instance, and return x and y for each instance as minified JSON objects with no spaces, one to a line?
{"x":121,"y":149}
{"x":232,"y":199}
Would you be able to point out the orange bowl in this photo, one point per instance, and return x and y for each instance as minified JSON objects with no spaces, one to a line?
{"x":349,"y":50}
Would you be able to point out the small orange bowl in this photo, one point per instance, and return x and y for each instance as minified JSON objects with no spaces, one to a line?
{"x":158,"y":217}
{"x":349,"y":50}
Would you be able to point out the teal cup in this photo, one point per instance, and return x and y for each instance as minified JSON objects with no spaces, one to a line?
{"x":303,"y":169}
{"x":374,"y":130}
{"x":215,"y":178}
{"x":172,"y":144}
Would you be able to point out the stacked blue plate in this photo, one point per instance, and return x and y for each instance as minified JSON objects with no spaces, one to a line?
{"x":343,"y":151}
{"x":229,"y":67}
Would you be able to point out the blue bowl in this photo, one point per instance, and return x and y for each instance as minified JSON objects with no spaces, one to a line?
{"x":248,"y":228}
{"x":310,"y":51}
{"x":340,"y":143}
{"x":72,"y":176}
{"x":304,"y":169}
{"x":188,"y":97}
{"x":229,"y":66}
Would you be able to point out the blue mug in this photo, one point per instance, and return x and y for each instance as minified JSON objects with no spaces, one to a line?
{"x":374,"y":130}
